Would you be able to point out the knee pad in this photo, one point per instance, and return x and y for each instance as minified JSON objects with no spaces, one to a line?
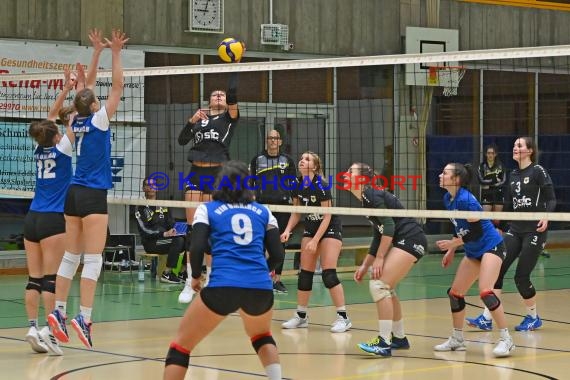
{"x":330,"y":278}
{"x":305,"y":281}
{"x":92,"y":264}
{"x":490,"y":299}
{"x":177,"y":355}
{"x":48,"y":283}
{"x":379,"y":290}
{"x":68,"y":266}
{"x":34,"y":283}
{"x":525,"y":288}
{"x":262,"y":339}
{"x":456,"y":301}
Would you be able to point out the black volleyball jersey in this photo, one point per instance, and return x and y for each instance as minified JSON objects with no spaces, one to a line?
{"x":153,"y":222}
{"x":274,"y":177}
{"x":398,"y":228}
{"x":493,"y":176}
{"x":211,"y":138}
{"x":312,"y":193}
{"x":530,"y":189}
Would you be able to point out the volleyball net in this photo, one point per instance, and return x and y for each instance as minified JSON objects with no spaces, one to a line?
{"x":405,"y":115}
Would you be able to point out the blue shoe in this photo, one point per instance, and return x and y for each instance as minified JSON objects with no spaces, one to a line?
{"x":480,"y":322}
{"x":399,"y":343}
{"x":529,"y":324}
{"x":56,"y":322}
{"x":83,"y":330}
{"x":377,"y":346}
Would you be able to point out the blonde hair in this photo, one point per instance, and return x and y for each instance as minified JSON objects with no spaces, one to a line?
{"x":83,"y":101}
{"x":318,"y":162}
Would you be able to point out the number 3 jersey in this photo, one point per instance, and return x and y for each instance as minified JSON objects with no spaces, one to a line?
{"x":237,"y":234}
{"x":531,"y":190}
{"x":53,"y":174}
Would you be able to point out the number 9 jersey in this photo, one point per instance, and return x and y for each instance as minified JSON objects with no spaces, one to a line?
{"x":237,"y":234}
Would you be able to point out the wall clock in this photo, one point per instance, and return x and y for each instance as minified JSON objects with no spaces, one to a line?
{"x":207,"y":16}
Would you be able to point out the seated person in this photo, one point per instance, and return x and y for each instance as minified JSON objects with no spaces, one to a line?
{"x":156,"y":227}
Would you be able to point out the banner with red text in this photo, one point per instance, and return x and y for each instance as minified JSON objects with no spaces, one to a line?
{"x":32,"y":99}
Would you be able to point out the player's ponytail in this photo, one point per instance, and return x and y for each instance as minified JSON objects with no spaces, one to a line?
{"x":43,"y":132}
{"x":374,"y":178}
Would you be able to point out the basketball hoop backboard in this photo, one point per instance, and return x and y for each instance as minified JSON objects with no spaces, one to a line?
{"x":428,"y":40}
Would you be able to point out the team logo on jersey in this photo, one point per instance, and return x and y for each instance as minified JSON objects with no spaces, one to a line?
{"x":283,"y":166}
{"x":522,"y":202}
{"x":313,"y":198}
{"x":526,"y":180}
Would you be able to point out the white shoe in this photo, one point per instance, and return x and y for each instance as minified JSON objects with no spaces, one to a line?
{"x":504,"y":347}
{"x":34,"y":339}
{"x":451,"y":344}
{"x":341,"y":324}
{"x":50,"y":342}
{"x":187,"y":293}
{"x":296,"y":322}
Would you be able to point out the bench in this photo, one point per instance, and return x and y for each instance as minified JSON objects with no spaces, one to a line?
{"x":157,"y":262}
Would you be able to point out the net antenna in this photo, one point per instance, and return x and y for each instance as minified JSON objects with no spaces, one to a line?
{"x":447,"y":77}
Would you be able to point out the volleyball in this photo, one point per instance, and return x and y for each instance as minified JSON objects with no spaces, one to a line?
{"x":231,"y":50}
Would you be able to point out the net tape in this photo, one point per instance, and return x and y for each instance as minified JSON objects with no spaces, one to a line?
{"x":353,"y":211}
{"x":380,"y":60}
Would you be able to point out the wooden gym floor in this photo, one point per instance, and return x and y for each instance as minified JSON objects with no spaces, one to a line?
{"x":136,"y":321}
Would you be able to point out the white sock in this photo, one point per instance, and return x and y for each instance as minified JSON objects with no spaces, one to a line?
{"x":504,"y":333}
{"x":385,"y":330}
{"x":531,"y":310}
{"x":273,"y":371}
{"x":487,"y":314}
{"x":457,"y":334}
{"x":62,"y":307}
{"x":398,"y":328}
{"x":86,"y":313}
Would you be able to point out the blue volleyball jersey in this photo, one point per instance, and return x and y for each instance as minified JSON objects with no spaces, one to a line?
{"x":93,"y":150}
{"x":465,"y":201}
{"x":53,"y":174}
{"x":237,"y":234}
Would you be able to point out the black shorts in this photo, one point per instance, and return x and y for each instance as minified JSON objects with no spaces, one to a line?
{"x":492,"y":196}
{"x":83,"y":201}
{"x":500,"y":250}
{"x":334,"y":232}
{"x":415,"y":245}
{"x":202,"y":179}
{"x":41,"y":225}
{"x":226,"y":300}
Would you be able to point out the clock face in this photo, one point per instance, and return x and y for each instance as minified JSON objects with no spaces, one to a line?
{"x":207,"y":15}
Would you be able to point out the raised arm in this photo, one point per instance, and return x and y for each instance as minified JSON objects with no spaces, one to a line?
{"x":231,"y":96}
{"x":69,"y":83}
{"x":117,"y":42}
{"x":98,"y":45}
